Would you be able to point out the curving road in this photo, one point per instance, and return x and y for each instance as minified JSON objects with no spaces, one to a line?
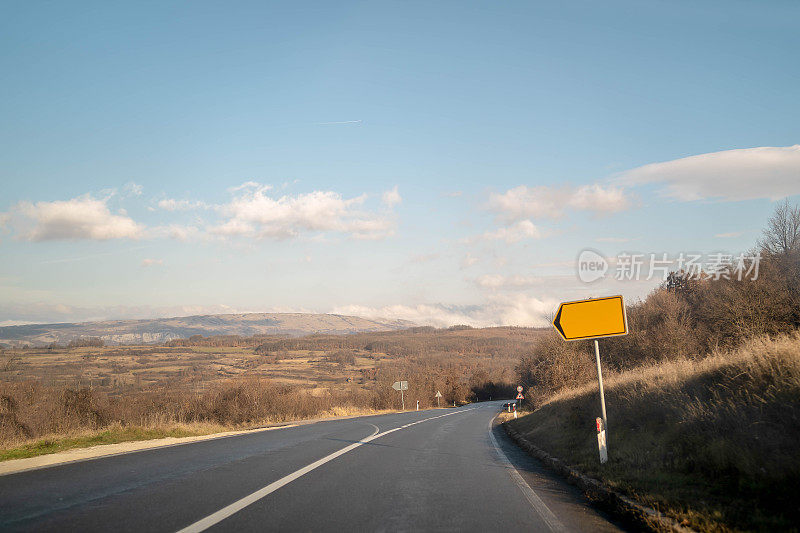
{"x":436,"y":470}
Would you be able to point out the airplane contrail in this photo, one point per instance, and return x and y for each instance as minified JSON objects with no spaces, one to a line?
{"x":339,"y":122}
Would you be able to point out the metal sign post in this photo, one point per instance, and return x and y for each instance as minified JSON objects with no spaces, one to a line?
{"x":600,"y":380}
{"x":401,"y":386}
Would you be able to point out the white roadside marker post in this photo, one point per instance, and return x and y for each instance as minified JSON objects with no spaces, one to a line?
{"x":601,"y":441}
{"x":602,"y":445}
{"x":417,"y":405}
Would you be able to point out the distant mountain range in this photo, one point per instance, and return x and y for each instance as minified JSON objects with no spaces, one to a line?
{"x":160,"y":330}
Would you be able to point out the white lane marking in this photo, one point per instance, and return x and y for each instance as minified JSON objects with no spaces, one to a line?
{"x":536,"y":502}
{"x":225,"y":512}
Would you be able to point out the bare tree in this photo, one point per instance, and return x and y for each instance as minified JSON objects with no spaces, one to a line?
{"x":782,"y":235}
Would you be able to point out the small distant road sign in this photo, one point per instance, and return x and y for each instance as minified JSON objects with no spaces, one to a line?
{"x":520,"y":396}
{"x":438,"y":395}
{"x":519,"y":388}
{"x":591,"y":319}
{"x":400,"y":385}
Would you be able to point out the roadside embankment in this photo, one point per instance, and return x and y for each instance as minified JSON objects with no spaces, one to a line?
{"x":713,"y":443}
{"x":118,"y":438}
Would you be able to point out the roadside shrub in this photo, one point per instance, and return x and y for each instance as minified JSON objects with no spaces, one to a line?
{"x":552,"y":365}
{"x":86,"y":342}
{"x":79,"y":407}
{"x":9,"y":422}
{"x":660,"y":329}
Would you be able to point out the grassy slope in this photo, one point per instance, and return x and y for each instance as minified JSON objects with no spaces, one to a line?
{"x":117,"y":433}
{"x":713,"y":442}
{"x":112,"y":435}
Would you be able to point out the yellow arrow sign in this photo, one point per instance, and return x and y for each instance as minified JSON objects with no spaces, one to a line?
{"x":589,"y":319}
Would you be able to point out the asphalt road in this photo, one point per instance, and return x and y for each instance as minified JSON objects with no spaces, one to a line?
{"x":437,"y":470}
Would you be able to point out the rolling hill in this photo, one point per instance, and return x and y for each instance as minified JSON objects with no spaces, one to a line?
{"x":164,"y":329}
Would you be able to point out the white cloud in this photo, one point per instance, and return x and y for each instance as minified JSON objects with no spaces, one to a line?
{"x":731,"y":175}
{"x":598,"y":199}
{"x":468,"y":260}
{"x":82,"y":218}
{"x":523,"y":202}
{"x":152,"y":262}
{"x":490,"y":281}
{"x":523,"y":310}
{"x":543,"y":202}
{"x":250,"y":185}
{"x":391,"y":198}
{"x":498,"y":281}
{"x":255,"y":214}
{"x":181,"y":233}
{"x":524,"y":229}
{"x":499,"y":310}
{"x":132,"y":189}
{"x":169,"y":204}
{"x":425,"y":258}
{"x":370,"y":228}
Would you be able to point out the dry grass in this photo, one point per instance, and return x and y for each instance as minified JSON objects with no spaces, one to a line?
{"x":62,"y":397}
{"x":335,"y":362}
{"x":30,"y":412}
{"x":117,"y":432}
{"x":714,"y":441}
{"x":113,"y":434}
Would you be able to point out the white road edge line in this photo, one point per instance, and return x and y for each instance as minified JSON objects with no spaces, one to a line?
{"x":536,"y":502}
{"x":225,"y":512}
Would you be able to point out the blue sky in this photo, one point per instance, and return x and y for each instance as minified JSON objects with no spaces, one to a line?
{"x":442,"y":162}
